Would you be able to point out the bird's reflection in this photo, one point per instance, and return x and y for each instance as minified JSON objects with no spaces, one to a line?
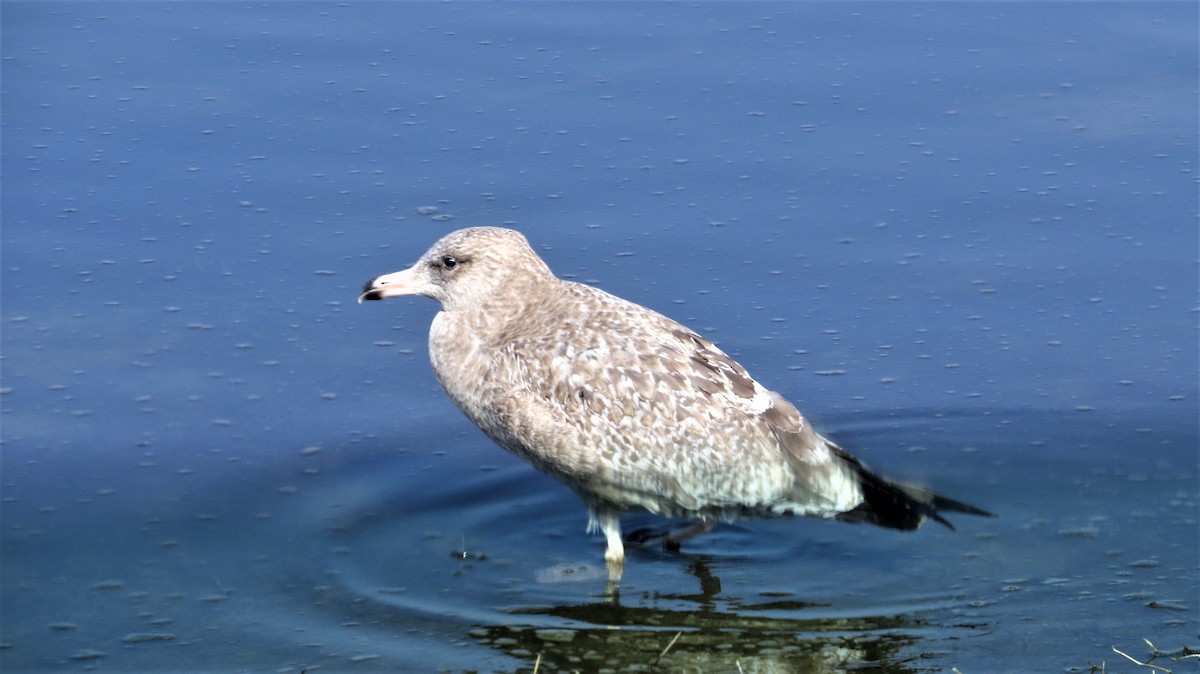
{"x":705,"y":631}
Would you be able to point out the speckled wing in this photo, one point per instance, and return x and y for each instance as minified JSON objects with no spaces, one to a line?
{"x":633,"y":409}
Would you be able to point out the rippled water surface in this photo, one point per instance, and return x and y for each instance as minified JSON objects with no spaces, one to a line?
{"x":961,"y":237}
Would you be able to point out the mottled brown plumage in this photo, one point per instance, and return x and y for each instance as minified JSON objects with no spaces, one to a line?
{"x":628,"y":407}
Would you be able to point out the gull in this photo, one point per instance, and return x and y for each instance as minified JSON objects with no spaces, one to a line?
{"x":629,"y":408}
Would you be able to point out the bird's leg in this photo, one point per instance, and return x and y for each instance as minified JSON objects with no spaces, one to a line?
{"x":609,"y":522}
{"x":614,"y":555}
{"x":672,"y":541}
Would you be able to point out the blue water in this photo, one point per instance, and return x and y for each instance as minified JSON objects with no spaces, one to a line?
{"x":961,"y":237}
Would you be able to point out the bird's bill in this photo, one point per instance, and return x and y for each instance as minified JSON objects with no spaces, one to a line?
{"x":391,"y":285}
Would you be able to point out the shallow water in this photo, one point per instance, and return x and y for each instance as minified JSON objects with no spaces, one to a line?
{"x":375,"y":557}
{"x":965,"y":246}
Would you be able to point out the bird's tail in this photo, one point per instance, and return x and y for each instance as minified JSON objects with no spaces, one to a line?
{"x":896,"y":505}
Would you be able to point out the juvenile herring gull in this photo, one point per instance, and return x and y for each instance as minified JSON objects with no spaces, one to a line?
{"x":628,"y":407}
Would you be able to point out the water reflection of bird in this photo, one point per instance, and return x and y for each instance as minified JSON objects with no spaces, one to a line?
{"x":628,"y":407}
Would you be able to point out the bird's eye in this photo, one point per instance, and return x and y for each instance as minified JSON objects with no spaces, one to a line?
{"x":449,"y":262}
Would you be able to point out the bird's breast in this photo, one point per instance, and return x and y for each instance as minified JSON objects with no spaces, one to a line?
{"x":460,"y":360}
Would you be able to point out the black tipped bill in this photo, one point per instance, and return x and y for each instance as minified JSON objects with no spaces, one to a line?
{"x":407,"y":282}
{"x":369,"y":292}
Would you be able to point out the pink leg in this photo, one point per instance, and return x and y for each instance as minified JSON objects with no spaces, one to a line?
{"x":702,"y":527}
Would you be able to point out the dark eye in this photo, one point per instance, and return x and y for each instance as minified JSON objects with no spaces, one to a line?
{"x":449,"y":262}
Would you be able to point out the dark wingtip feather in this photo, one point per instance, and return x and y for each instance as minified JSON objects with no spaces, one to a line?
{"x":950,"y":505}
{"x":900,"y":506}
